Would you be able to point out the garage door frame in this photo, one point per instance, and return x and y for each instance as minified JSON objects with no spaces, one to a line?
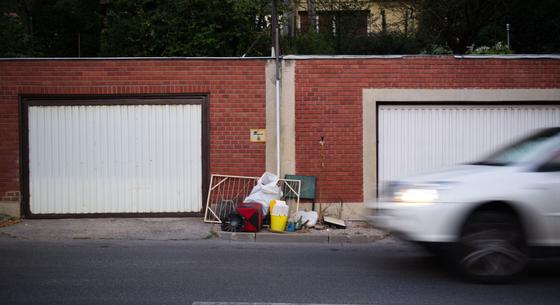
{"x":455,"y":103}
{"x":371,"y":97}
{"x":27,"y":101}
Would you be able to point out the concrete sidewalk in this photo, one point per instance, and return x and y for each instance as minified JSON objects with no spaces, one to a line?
{"x":188,"y":228}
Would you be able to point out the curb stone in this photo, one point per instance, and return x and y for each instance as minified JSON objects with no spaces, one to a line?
{"x":237,"y":236}
{"x":176,"y":229}
{"x":321,"y":237}
{"x":291,"y":238}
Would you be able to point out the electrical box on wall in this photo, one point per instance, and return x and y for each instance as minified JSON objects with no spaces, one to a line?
{"x":258,"y":135}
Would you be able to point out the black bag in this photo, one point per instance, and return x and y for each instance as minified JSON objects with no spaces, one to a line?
{"x":234,"y":222}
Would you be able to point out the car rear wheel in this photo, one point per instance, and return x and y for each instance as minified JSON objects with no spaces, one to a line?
{"x":491,"y":248}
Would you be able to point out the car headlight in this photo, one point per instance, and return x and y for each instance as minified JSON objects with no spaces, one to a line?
{"x":420,"y":193}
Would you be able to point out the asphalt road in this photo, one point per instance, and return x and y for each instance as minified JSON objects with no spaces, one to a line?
{"x":209,"y":272}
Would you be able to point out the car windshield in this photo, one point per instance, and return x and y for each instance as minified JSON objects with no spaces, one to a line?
{"x":522,"y":150}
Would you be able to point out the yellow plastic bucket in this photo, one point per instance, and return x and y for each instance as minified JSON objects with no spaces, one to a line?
{"x":271,"y":205}
{"x":278,"y":223}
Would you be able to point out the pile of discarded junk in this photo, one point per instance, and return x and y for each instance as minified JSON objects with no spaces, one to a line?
{"x":246,"y":204}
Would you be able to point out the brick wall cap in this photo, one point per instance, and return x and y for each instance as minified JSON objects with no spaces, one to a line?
{"x":505,"y":56}
{"x":510,"y":56}
{"x":295,"y":57}
{"x":130,"y":58}
{"x":289,"y":57}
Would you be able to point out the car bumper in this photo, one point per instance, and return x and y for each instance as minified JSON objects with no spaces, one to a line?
{"x":434,"y":222}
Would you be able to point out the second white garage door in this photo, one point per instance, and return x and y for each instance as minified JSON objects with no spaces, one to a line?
{"x":418,"y":138}
{"x":115,"y":159}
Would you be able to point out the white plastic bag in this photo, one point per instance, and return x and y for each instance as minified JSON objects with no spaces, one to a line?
{"x":280,"y":209}
{"x":265,"y":190}
{"x":311,"y":217}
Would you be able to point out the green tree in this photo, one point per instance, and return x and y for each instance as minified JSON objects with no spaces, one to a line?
{"x":383,"y":43}
{"x":465,"y":25}
{"x":16,"y":42}
{"x":339,"y":22}
{"x":67,"y":28}
{"x":351,"y":27}
{"x":456,"y":23}
{"x":186,"y":28}
{"x":63,"y":28}
{"x":535,"y":26}
{"x":15,"y":33}
{"x":310,"y":43}
{"x":53,"y":28}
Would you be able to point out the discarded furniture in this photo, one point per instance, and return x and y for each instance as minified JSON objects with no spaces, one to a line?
{"x":227,"y":191}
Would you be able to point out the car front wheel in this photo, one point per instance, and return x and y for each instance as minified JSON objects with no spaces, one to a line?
{"x":491,"y":248}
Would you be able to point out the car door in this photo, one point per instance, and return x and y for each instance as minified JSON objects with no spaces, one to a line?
{"x":549,"y":181}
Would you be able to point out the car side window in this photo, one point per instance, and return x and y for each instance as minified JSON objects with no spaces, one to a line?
{"x":552,"y":165}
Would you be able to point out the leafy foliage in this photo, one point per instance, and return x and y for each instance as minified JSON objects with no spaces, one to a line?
{"x":535,"y":26}
{"x":184,"y":28}
{"x":311,"y":43}
{"x":65,"y":28}
{"x":456,"y":23}
{"x":54,"y":28}
{"x":383,"y":43}
{"x":16,"y":42}
{"x":71,"y":28}
{"x":498,"y":48}
{"x":437,"y":49}
{"x":462,"y":24}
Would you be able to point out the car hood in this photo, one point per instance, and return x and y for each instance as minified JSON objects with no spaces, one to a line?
{"x":458,"y":173}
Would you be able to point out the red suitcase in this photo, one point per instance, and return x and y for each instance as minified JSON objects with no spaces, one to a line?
{"x":252,"y":212}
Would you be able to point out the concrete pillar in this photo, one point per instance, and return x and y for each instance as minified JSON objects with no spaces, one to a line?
{"x":287,"y":118}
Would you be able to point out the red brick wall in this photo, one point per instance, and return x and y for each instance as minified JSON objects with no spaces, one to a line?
{"x":329,"y":104}
{"x":236,"y":91}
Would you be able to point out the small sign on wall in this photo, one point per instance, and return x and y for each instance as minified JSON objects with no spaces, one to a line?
{"x":258,"y":135}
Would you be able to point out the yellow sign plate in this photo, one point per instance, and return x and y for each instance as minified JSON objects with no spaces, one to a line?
{"x":258,"y":135}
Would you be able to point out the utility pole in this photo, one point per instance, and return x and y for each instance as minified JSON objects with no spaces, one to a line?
{"x":507,"y":32}
{"x":276,"y":54}
{"x":79,"y":44}
{"x":274,"y":24}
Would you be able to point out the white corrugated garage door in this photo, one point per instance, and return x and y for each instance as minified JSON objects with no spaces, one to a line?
{"x":417,"y":138}
{"x":115,"y":159}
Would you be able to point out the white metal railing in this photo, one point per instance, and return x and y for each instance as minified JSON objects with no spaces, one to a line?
{"x":225,"y":192}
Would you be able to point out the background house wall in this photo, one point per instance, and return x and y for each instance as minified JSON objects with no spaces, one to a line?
{"x":379,"y":16}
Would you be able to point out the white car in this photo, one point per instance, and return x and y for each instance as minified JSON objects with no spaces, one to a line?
{"x":488,"y":216}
